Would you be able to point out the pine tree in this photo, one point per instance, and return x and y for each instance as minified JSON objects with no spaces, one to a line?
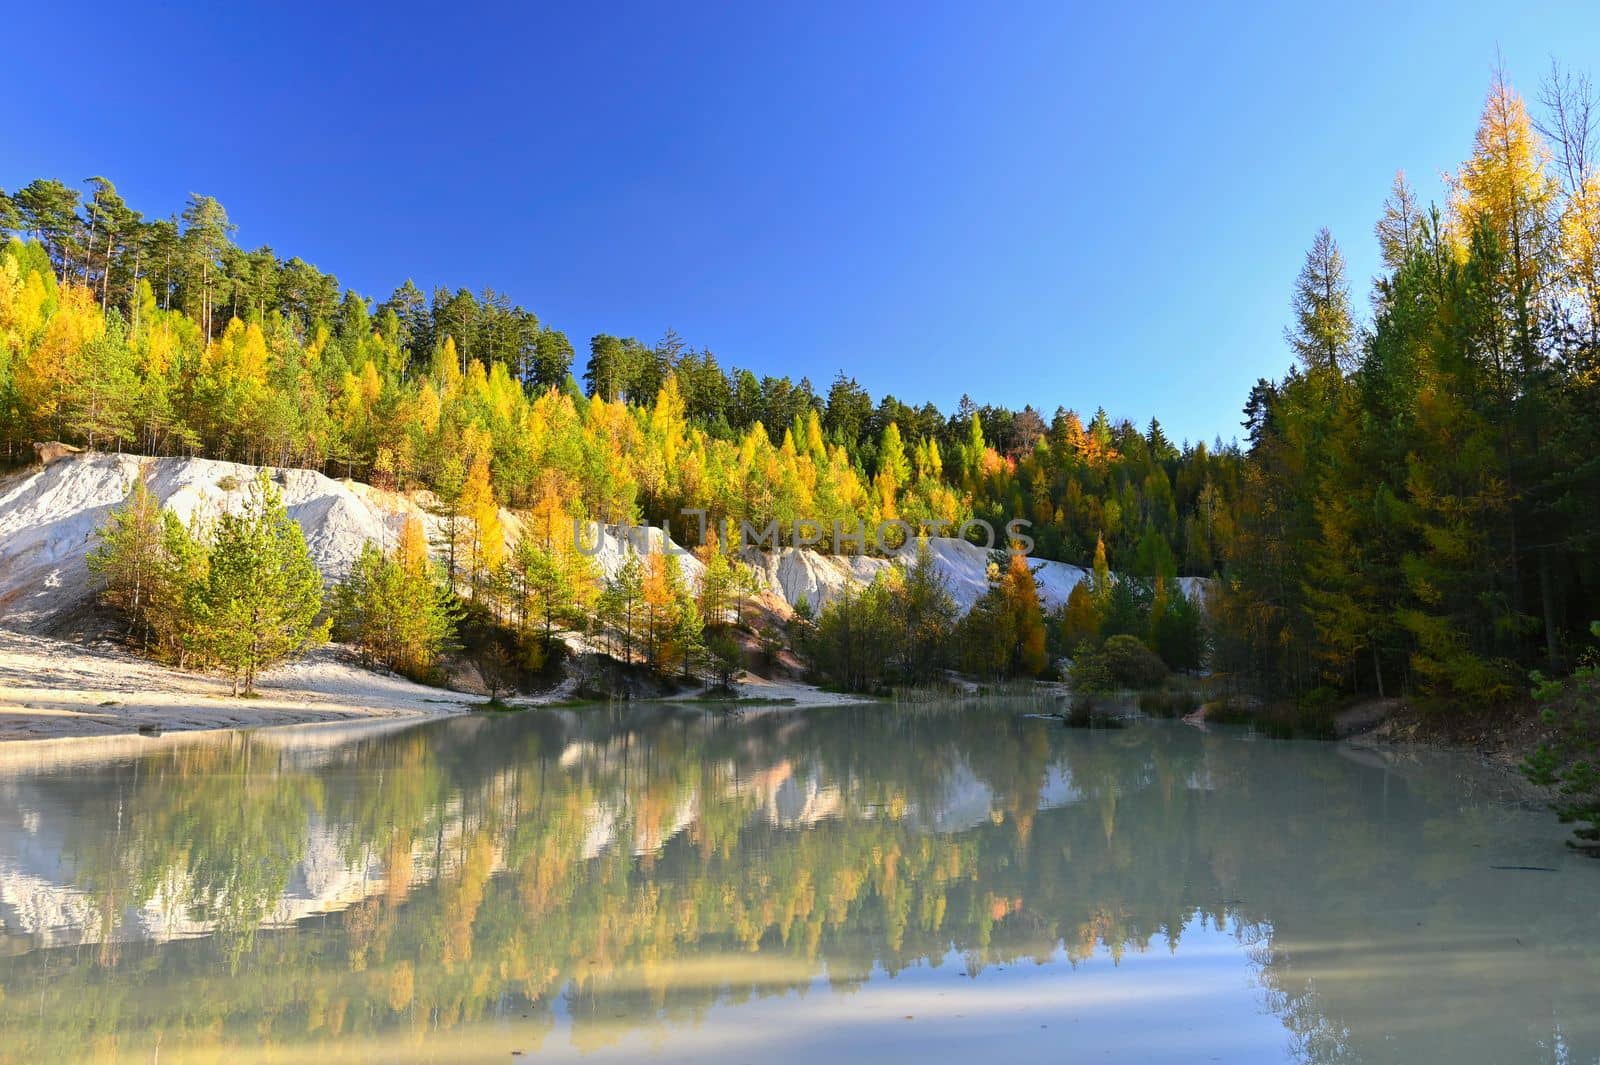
{"x":685,"y":638}
{"x":186,"y":563}
{"x":620,"y":601}
{"x":206,"y":233}
{"x":1506,"y":221}
{"x":1324,"y":331}
{"x":262,"y":592}
{"x":1399,"y":230}
{"x":102,"y":404}
{"x":924,"y":614}
{"x":717,"y":580}
{"x":49,"y":210}
{"x":447,"y":506}
{"x":130,"y":558}
{"x":1178,"y":635}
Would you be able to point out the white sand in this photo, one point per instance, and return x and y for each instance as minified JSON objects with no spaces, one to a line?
{"x":53,"y":688}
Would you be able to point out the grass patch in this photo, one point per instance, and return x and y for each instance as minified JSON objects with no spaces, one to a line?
{"x":1168,"y":702}
{"x":1087,"y":715}
{"x":730,"y":699}
{"x":1278,"y":721}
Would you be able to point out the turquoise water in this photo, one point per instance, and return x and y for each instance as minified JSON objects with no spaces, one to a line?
{"x":946,"y":884}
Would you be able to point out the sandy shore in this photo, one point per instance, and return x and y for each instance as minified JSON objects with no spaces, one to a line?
{"x":793,"y":693}
{"x":52,"y":688}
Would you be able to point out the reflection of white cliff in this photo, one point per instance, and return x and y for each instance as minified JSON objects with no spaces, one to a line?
{"x":600,"y":828}
{"x":39,"y":899}
{"x":45,"y":896}
{"x":798,"y":802}
{"x":649,"y":838}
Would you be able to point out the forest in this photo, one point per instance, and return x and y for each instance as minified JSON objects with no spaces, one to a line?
{"x":1415,"y":506}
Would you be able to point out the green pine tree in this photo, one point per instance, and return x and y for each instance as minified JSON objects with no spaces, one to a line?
{"x":262,"y":593}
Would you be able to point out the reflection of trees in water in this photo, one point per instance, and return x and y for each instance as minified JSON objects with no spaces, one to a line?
{"x":208,"y":836}
{"x":510,"y":874}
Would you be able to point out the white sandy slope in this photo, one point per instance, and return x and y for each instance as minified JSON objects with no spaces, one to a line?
{"x":48,"y":518}
{"x":820,"y":579}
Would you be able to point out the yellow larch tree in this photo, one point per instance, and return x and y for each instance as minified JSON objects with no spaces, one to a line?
{"x":485,"y":546}
{"x":50,"y":372}
{"x":1507,"y":190}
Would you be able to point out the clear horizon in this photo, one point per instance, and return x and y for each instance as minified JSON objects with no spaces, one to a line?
{"x":1026,"y":206}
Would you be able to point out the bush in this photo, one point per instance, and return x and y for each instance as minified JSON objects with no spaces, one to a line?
{"x":1088,"y":672}
{"x":1132,"y":664}
{"x":1572,"y":708}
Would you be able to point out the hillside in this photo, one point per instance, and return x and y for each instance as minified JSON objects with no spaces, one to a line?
{"x":48,"y":517}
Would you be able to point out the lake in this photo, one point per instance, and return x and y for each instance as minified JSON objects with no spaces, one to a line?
{"x":941,"y":884}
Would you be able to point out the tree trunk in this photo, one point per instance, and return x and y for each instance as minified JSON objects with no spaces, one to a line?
{"x":1552,"y":641}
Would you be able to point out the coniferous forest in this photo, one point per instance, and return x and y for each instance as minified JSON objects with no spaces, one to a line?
{"x":1413,"y":507}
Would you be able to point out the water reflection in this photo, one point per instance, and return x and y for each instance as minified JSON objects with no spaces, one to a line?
{"x":693,"y":885}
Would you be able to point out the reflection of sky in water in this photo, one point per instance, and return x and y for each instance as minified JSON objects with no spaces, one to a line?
{"x":676,"y":885}
{"x":1204,"y":995}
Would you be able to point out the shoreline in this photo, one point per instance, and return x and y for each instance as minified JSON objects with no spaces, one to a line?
{"x":56,"y":689}
{"x":59,"y":690}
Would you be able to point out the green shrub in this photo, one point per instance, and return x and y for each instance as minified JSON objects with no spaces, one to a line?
{"x":1568,"y":764}
{"x":1088,"y":672}
{"x":1132,"y":664}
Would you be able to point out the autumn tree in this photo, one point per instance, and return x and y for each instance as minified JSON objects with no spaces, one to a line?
{"x":1323,"y":334}
{"x":923,"y":615}
{"x":483,"y":536}
{"x":394,"y":609}
{"x":1080,"y":620}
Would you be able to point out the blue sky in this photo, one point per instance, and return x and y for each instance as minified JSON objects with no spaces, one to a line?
{"x":1031,"y":203}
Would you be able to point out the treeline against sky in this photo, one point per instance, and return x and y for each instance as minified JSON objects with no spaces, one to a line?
{"x":163,"y":337}
{"x":1421,"y":504}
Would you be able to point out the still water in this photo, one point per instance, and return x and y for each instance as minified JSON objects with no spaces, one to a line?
{"x":950,"y":884}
